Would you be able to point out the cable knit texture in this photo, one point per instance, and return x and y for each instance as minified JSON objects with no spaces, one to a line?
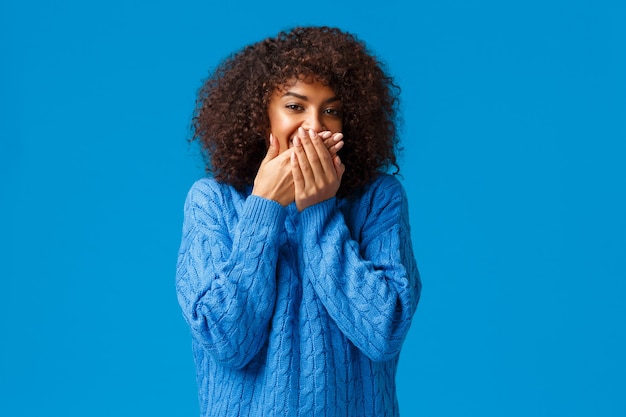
{"x":297,"y":313}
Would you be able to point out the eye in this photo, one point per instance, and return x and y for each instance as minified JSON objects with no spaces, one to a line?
{"x":333,"y":112}
{"x":294,"y":107}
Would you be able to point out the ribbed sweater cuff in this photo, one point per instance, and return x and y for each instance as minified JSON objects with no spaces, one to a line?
{"x":264,"y":212}
{"x":315,"y":216}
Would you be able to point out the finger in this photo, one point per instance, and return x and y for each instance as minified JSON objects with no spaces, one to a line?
{"x":325,"y":134}
{"x":333,"y":142}
{"x":333,"y":151}
{"x":337,"y":136}
{"x":319,"y":156}
{"x":304,"y":165}
{"x":296,"y":173}
{"x":340,"y":168}
{"x":308,"y":155}
{"x":311,"y":145}
{"x":272,"y":150}
{"x":330,"y":140}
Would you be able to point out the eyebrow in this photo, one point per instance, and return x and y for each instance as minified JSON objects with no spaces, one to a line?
{"x":305,"y":98}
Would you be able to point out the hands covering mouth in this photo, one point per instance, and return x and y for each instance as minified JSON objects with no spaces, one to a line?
{"x":308,"y":174}
{"x":332,"y":141}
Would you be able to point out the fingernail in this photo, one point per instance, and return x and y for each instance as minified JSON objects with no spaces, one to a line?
{"x":338,"y":137}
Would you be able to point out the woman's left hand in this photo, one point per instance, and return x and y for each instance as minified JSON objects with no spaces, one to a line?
{"x":316,"y":173}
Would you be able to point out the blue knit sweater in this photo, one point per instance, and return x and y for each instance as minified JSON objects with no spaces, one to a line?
{"x":297,"y":313}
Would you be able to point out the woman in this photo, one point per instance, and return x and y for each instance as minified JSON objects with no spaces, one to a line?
{"x":296,"y":273}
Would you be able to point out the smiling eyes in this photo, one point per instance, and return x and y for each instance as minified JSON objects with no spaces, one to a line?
{"x":329,"y":111}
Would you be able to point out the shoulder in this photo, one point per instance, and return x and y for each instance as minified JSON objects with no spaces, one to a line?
{"x":384,"y":190}
{"x":206,"y":186}
{"x":382,"y":199}
{"x":385,"y":184}
{"x":208,"y":195}
{"x":209,"y":189}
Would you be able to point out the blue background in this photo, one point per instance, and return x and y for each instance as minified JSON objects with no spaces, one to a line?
{"x":514,"y":166}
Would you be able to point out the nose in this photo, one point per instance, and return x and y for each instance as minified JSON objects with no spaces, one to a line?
{"x":313,"y":121}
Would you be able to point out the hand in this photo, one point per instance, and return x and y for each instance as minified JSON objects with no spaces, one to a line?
{"x":274,"y":179}
{"x":316,"y":173}
{"x":332,"y":141}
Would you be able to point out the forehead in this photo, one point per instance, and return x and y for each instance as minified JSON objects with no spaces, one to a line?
{"x":305,"y":87}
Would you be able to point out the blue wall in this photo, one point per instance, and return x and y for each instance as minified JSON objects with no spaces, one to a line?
{"x":515,"y":141}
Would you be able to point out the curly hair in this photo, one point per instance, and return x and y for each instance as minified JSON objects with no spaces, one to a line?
{"x":231,"y":116}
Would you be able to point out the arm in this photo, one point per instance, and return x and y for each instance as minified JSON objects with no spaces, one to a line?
{"x":369,"y":287}
{"x":226,"y":271}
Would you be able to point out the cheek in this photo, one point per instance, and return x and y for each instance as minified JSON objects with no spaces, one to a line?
{"x":335,"y":126}
{"x":274,"y":118}
{"x":281,"y":125}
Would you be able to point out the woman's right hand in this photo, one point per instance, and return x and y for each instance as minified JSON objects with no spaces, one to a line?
{"x":274,"y":180}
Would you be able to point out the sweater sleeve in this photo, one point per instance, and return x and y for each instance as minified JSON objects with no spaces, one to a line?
{"x":226,"y":271}
{"x":369,"y":286}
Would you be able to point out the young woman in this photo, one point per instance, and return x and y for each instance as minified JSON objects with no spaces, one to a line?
{"x":296,"y":273}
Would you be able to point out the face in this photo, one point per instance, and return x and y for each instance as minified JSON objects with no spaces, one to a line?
{"x":307,"y":105}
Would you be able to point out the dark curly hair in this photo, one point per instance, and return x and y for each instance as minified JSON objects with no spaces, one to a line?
{"x":231,"y":119}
